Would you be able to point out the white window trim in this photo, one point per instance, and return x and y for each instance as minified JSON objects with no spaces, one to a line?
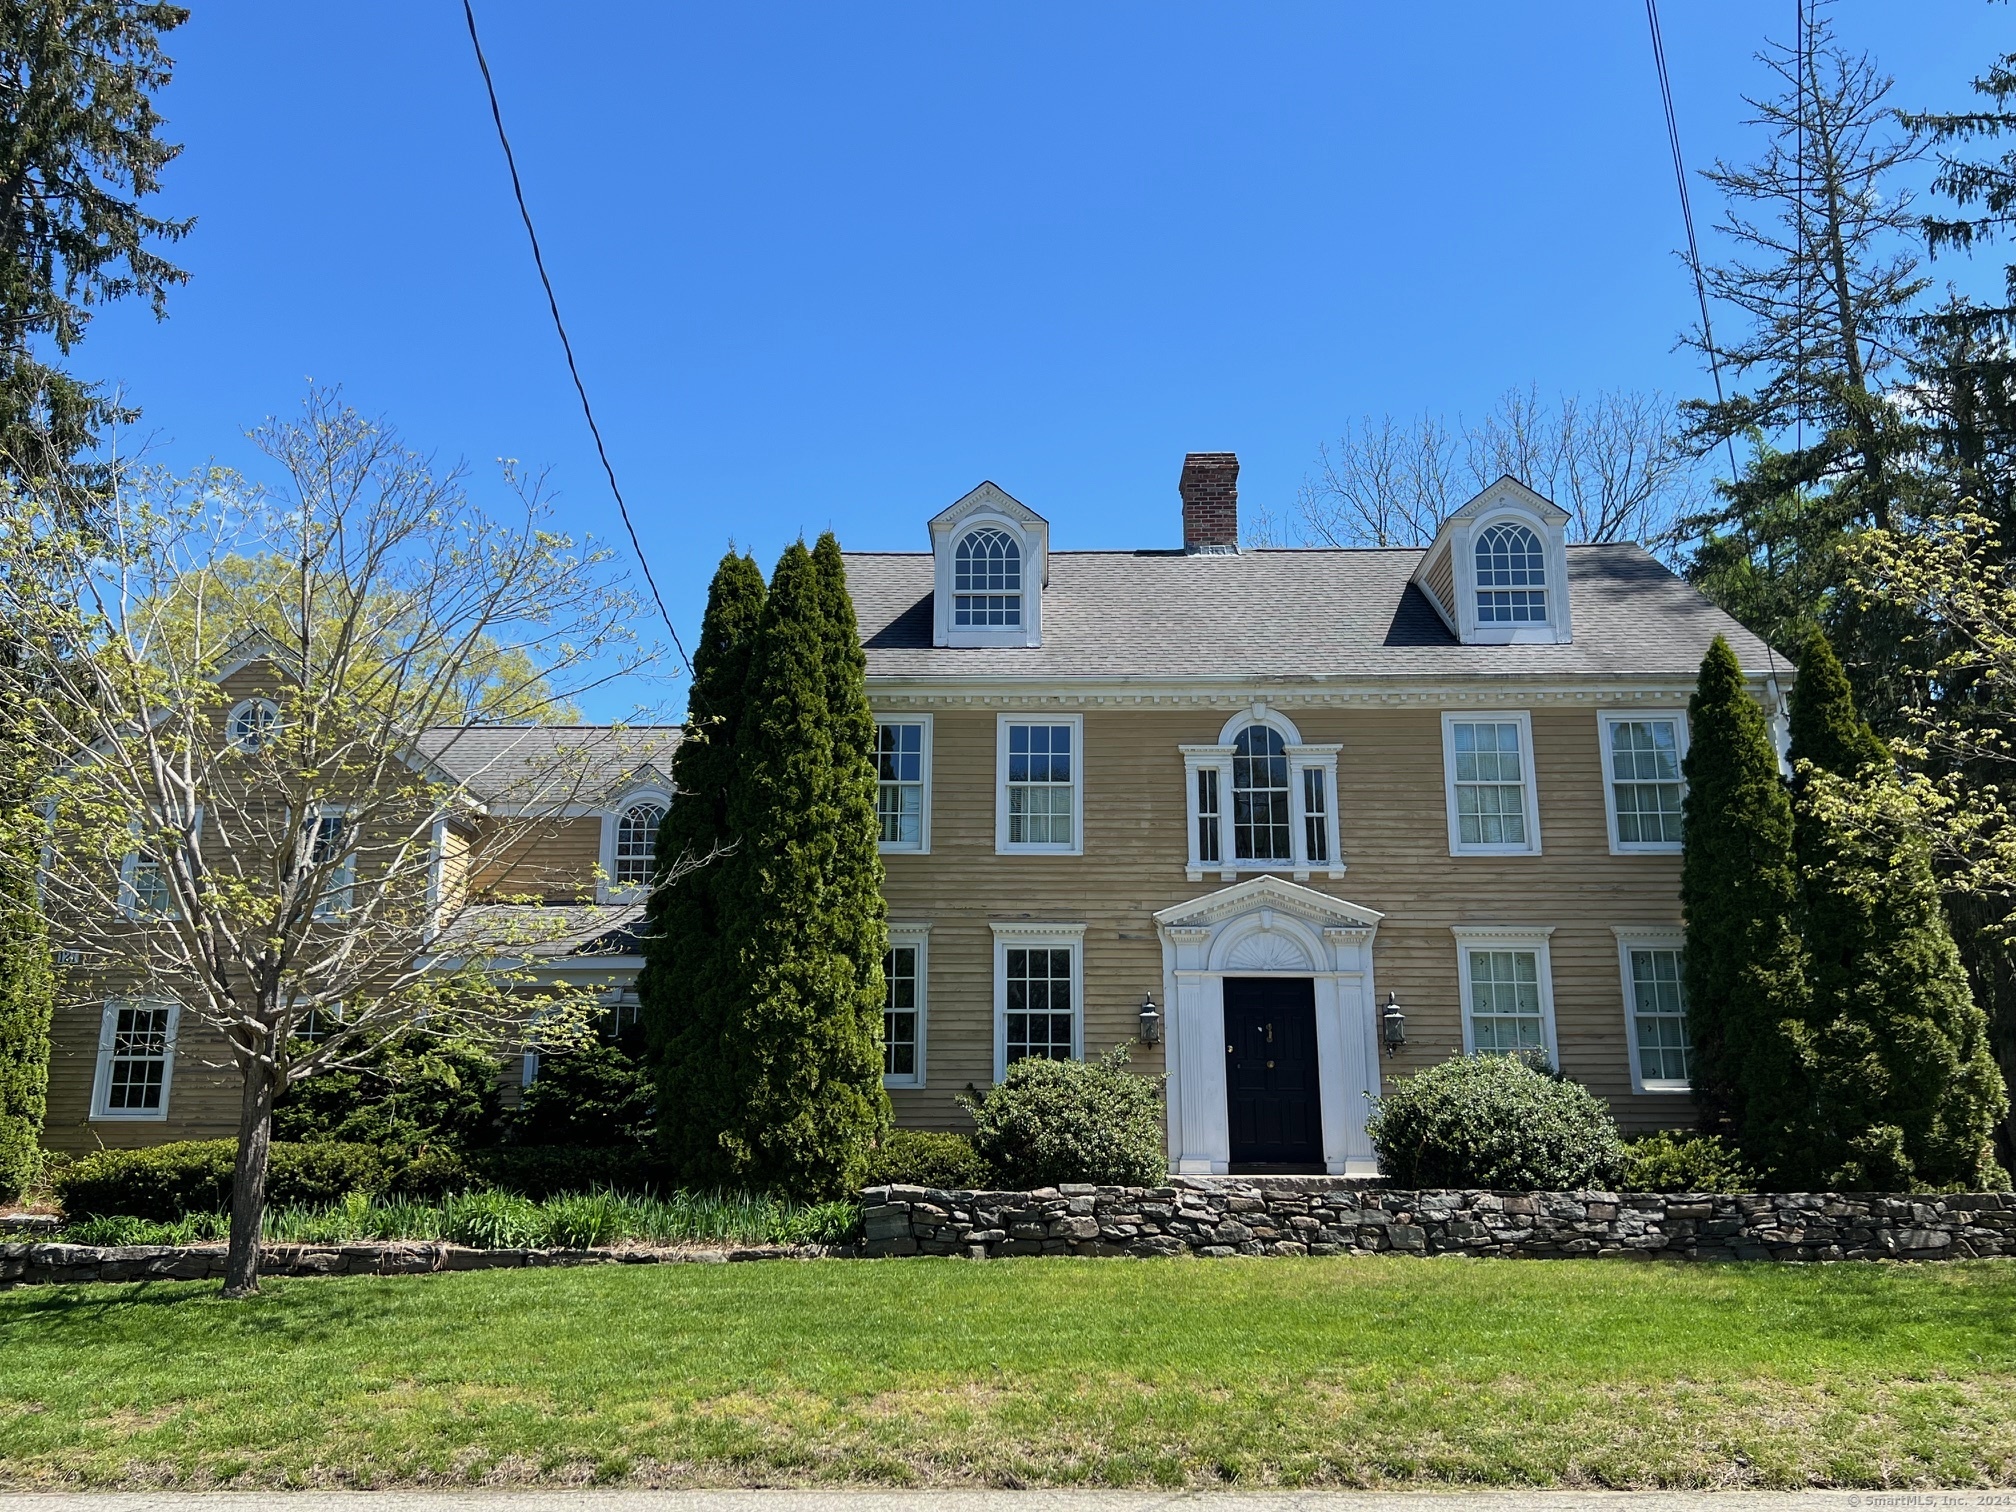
{"x":1520,"y":937}
{"x":915,"y":937}
{"x":1529,"y":775}
{"x":1035,"y":571}
{"x":1002,"y":847}
{"x":1302,"y":757}
{"x":606,"y":890}
{"x":1039,"y":934}
{"x":337,"y":900}
{"x":1642,"y":937}
{"x":1557,"y":628}
{"x":231,"y":719}
{"x":1605,"y":718}
{"x":129,"y":895}
{"x":101,"y":1081}
{"x":923,"y":845}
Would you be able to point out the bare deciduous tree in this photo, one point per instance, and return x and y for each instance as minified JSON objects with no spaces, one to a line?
{"x":256,"y":862}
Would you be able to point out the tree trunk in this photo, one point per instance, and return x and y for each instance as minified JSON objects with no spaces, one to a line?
{"x":248,"y":1178}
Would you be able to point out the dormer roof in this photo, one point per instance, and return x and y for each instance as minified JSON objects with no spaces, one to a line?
{"x":988,"y":498}
{"x":1509,"y":490}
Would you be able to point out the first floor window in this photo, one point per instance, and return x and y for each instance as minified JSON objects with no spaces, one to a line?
{"x":1490,"y":786}
{"x":1039,"y":780}
{"x":1657,"y":1004}
{"x":1508,"y":997}
{"x":135,"y":1051}
{"x":899,"y":1014}
{"x":899,"y":772}
{"x":1040,"y":1015}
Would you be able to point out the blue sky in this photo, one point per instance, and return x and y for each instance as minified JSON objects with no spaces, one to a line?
{"x":828,"y":267}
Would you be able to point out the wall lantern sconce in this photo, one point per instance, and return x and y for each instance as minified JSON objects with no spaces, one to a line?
{"x":1151,"y":1020}
{"x":1394,"y":1022}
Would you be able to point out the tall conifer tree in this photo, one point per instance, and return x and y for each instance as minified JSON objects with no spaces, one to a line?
{"x":681,"y":990}
{"x":27,"y":988}
{"x":1746,"y":989}
{"x":1907,"y":1088}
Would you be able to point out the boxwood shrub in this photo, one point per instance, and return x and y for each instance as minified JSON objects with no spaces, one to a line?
{"x":1495,"y":1121}
{"x":1682,"y":1160}
{"x":1051,"y":1121}
{"x":194,"y":1176}
{"x":926,"y":1158}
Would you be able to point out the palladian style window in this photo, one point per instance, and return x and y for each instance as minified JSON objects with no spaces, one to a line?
{"x":1260,"y":795}
{"x":1259,"y":800}
{"x":637,"y":843}
{"x":987,"y":580}
{"x":1511,"y":577}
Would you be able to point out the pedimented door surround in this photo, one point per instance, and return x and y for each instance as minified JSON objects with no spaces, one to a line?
{"x":1259,"y":928}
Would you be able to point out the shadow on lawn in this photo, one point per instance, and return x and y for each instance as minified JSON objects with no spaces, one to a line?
{"x":277,"y":1313}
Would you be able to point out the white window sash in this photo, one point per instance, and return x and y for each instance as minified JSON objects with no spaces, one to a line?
{"x":1533,"y":941}
{"x":1301,"y":758}
{"x":1528,"y":782}
{"x":1605,"y":720}
{"x":1002,"y":844}
{"x":922,"y":846}
{"x":1628,"y":940}
{"x":338,"y":894}
{"x":915,"y":937}
{"x":1037,"y":936}
{"x":101,"y":1081}
{"x":608,"y":889}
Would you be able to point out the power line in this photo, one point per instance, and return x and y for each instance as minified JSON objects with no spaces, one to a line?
{"x":553,"y":304}
{"x":1686,"y":213}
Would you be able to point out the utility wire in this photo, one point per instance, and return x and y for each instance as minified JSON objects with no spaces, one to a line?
{"x":1686,"y":213}
{"x":553,"y":304}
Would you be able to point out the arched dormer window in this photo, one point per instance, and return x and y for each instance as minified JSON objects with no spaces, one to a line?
{"x":637,"y":843}
{"x":1511,"y":577}
{"x":987,"y":580}
{"x":251,"y":724}
{"x":1262,"y":799}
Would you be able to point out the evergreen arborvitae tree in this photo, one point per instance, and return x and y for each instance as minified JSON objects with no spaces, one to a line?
{"x":27,"y":987}
{"x":1746,"y":987}
{"x":683,"y":992}
{"x":795,"y":1096}
{"x":1907,"y":1088}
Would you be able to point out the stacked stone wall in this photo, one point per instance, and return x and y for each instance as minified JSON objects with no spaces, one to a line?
{"x":1221,"y":1217}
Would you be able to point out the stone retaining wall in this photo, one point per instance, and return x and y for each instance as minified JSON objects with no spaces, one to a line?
{"x":50,"y":1264}
{"x":1226,"y":1216}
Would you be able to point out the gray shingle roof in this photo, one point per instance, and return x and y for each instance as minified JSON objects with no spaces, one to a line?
{"x":1291,"y":614}
{"x":528,"y":763}
{"x":586,"y":931}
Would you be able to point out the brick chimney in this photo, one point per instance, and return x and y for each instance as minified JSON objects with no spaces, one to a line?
{"x":1210,"y":490}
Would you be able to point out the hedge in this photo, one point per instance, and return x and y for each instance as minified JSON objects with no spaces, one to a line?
{"x":167,"y":1181}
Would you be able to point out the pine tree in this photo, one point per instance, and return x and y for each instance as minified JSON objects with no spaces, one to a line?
{"x":26,"y":989}
{"x":1746,"y":989}
{"x":1907,"y":1088}
{"x":682,"y":990}
{"x":796,"y":1095}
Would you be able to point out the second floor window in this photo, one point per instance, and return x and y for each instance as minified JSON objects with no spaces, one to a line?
{"x":1039,"y":785}
{"x":1511,"y":577}
{"x":987,"y":581}
{"x":637,"y":843}
{"x":899,"y":775}
{"x":1260,"y":795}
{"x":1490,"y":778}
{"x":148,"y":895}
{"x":328,"y":837}
{"x":1260,"y":799}
{"x":1645,"y":781}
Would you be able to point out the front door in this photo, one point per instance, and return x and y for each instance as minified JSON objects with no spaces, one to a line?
{"x":1273,"y":1106}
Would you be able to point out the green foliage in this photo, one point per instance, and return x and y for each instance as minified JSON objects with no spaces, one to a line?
{"x":1495,"y":1121}
{"x":27,"y":993}
{"x":165,"y":1182}
{"x":415,"y":1091}
{"x":596,"y":1095}
{"x":1746,"y":984}
{"x":1049,"y":1121}
{"x":926,"y":1158}
{"x":543,"y":1170}
{"x":1906,"y":1084}
{"x":1684,"y":1160}
{"x":773,"y":1068}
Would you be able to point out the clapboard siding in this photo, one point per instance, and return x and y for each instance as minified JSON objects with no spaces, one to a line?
{"x":1394,"y":828}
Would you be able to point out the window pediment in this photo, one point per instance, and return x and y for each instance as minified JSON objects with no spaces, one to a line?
{"x":992,"y":561}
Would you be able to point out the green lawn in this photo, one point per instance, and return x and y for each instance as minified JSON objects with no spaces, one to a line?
{"x":1303,"y":1372}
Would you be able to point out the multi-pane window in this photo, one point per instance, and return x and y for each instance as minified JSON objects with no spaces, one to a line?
{"x":1645,"y":782}
{"x":637,"y":843}
{"x":1487,"y":774}
{"x":148,"y":894}
{"x":1260,"y":795}
{"x":1506,"y":1013}
{"x":1041,"y":785}
{"x":1511,"y":577}
{"x":899,"y":771}
{"x":327,"y":835}
{"x":987,"y":580}
{"x":133,"y":1060}
{"x":1315,"y":817}
{"x":1659,"y":1015}
{"x":1038,"y":998}
{"x":1207,"y":814}
{"x":899,"y":1013}
{"x":252,"y":723}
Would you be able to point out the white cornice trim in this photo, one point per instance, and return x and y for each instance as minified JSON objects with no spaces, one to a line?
{"x":891,"y":695}
{"x":1037,"y":929}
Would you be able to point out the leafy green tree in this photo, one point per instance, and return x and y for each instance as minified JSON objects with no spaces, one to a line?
{"x":1739,"y":888}
{"x":416,"y":1091}
{"x":795,"y":1097}
{"x":596,"y":1095}
{"x":685,"y":992}
{"x":1907,"y":1089}
{"x":26,"y":991}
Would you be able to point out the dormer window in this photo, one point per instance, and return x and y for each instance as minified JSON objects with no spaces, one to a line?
{"x":987,"y":580}
{"x":251,"y":723}
{"x":1511,"y":577}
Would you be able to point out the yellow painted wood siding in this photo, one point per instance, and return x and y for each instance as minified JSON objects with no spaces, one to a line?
{"x":1393,"y":822}
{"x":1442,"y":578}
